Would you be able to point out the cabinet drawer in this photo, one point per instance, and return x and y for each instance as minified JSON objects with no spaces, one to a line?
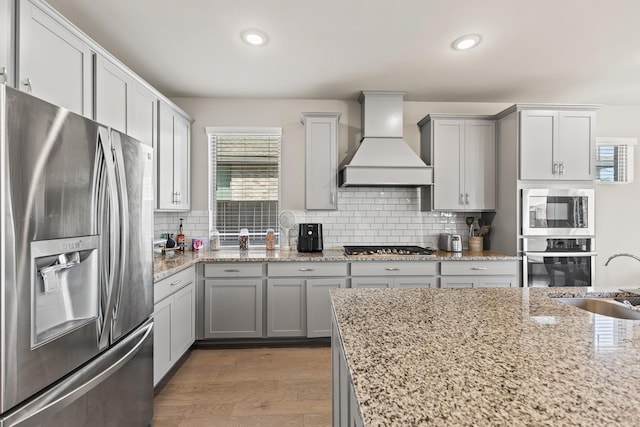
{"x":307,"y":269}
{"x":478,"y":268}
{"x":398,"y":268}
{"x":233,"y":270}
{"x":173,"y":283}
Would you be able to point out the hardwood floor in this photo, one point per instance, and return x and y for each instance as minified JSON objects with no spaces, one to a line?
{"x":278,"y":386}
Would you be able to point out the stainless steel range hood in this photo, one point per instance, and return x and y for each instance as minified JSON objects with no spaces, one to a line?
{"x":384,"y":158}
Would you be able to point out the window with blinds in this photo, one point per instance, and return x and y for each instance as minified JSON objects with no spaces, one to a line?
{"x":614,"y":159}
{"x":611,"y":163}
{"x":244,"y":184}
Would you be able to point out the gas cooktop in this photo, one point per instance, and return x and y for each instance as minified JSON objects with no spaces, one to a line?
{"x":387,"y":250}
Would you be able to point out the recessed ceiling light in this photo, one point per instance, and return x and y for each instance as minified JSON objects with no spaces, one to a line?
{"x":466,"y":42}
{"x":254,"y":37}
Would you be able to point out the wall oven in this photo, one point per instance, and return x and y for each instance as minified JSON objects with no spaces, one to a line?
{"x":558,"y":212}
{"x":550,"y":262}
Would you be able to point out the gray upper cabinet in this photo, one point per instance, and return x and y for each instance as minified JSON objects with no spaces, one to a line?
{"x":174,"y":145}
{"x":142,"y":106}
{"x":123,"y":103}
{"x":557,"y":145}
{"x":112,"y":84}
{"x":321,"y":160}
{"x":6,"y":26}
{"x":52,"y":62}
{"x":463,"y":154}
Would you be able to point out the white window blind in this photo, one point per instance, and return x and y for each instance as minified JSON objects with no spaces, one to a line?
{"x":244,"y":183}
{"x":611,"y":163}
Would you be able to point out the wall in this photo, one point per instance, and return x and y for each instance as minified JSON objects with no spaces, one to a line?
{"x":618,"y":207}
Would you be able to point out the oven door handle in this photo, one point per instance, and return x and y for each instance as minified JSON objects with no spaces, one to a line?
{"x":559,"y":254}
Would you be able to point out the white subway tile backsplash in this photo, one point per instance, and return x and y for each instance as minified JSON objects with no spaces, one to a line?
{"x":364,"y":216}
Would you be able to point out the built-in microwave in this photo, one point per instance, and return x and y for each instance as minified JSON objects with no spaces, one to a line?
{"x":558,"y":212}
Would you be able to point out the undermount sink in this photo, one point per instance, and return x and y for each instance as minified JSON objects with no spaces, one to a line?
{"x":604,"y":306}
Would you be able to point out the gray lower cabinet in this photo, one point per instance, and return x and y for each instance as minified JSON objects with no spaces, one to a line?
{"x":233,"y":300}
{"x":479,"y":274}
{"x":319,"y":305}
{"x":286,"y":308}
{"x":174,"y":320}
{"x":298,"y":302}
{"x":398,"y":274}
{"x":372,"y":282}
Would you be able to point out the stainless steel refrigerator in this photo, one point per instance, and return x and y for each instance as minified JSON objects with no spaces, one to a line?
{"x":76,"y":270}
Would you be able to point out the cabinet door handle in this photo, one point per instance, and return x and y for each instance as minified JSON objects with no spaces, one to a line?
{"x":392,"y":269}
{"x":232,"y":270}
{"x":3,"y":75}
{"x":27,"y":82}
{"x":466,"y":198}
{"x":555,"y":168}
{"x":461,"y":199}
{"x":479,"y":268}
{"x":333,"y":198}
{"x":177,"y":282}
{"x":306,"y":269}
{"x":561,"y":168}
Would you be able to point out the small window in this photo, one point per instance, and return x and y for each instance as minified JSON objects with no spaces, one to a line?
{"x":244,"y":182}
{"x":614,"y":160}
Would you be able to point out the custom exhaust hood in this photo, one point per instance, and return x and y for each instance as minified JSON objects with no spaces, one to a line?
{"x":384,"y":158}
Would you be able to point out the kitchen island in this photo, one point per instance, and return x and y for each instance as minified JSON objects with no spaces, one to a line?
{"x":480,"y":357}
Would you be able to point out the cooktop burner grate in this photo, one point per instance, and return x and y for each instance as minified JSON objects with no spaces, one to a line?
{"x":387,"y":250}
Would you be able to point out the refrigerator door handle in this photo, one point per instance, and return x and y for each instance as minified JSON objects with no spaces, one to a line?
{"x":124,"y":218}
{"x":114,"y":238}
{"x":37,"y":411}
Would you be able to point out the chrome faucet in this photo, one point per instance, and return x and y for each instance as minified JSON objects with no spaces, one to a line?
{"x":619,"y":255}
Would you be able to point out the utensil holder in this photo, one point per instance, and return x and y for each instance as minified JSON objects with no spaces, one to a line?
{"x":476,"y":243}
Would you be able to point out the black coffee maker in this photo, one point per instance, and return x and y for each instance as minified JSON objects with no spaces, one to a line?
{"x":309,"y":237}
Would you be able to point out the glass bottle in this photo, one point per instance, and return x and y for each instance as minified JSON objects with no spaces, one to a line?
{"x":270,"y":239}
{"x":243,"y":239}
{"x":214,"y":240}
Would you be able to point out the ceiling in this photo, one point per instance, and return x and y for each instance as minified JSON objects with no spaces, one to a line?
{"x":569,"y":51}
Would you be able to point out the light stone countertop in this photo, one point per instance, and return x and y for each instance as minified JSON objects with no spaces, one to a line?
{"x":487,"y":357}
{"x":164,"y":266}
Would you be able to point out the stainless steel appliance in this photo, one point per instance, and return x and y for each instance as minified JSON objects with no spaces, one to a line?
{"x":310,"y":238}
{"x":549,"y":262}
{"x":450,"y":242}
{"x":558,"y":212}
{"x":77,"y":270}
{"x":387,"y":250}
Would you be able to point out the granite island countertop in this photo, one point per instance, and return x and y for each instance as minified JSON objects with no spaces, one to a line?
{"x":164,"y":266}
{"x":508,"y":357}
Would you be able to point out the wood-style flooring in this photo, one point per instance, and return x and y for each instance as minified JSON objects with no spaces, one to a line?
{"x":276,"y":386}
